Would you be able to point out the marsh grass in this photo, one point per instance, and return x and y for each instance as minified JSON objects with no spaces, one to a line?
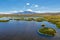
{"x":29,"y":19}
{"x":38,"y":20}
{"x":47,"y":31}
{"x":54,"y":20}
{"x":4,"y":20}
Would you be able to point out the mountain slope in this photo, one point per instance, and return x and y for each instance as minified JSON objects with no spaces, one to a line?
{"x":25,"y":12}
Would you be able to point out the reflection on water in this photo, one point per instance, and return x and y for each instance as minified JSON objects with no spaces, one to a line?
{"x":24,"y":30}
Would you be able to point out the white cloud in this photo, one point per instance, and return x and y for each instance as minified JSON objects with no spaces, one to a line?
{"x":20,"y":10}
{"x":52,"y":11}
{"x":4,"y":13}
{"x":36,"y":5}
{"x":27,"y":3}
{"x":12,"y":11}
{"x":29,"y":10}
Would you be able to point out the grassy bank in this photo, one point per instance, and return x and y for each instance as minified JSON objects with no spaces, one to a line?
{"x":54,"y":20}
{"x":4,"y":20}
{"x":47,"y":31}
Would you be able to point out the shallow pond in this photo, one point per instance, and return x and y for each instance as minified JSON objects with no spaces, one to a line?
{"x":25,"y":30}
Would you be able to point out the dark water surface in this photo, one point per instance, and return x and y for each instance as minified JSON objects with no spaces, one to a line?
{"x":25,"y":30}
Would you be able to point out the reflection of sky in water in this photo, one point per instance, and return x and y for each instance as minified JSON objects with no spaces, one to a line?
{"x":24,"y":30}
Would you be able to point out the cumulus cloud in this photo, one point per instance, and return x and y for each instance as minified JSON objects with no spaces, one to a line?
{"x":21,"y":11}
{"x":52,"y":11}
{"x":12,"y":11}
{"x":40,"y":9}
{"x":27,"y":3}
{"x":36,"y":5}
{"x":9,"y":12}
{"x":4,"y":13}
{"x":15,"y":11}
{"x":29,"y":10}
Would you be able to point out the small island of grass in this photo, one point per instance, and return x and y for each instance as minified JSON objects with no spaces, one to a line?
{"x":29,"y":19}
{"x":4,"y":20}
{"x":38,"y":19}
{"x":47,"y":31}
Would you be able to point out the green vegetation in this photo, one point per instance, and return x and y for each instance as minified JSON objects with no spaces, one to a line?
{"x":58,"y":24}
{"x":4,"y":20}
{"x":38,"y":20}
{"x":54,"y":20}
{"x":29,"y":19}
{"x":17,"y":19}
{"x":47,"y":31}
{"x":14,"y":19}
{"x":22,"y":18}
{"x":43,"y":25}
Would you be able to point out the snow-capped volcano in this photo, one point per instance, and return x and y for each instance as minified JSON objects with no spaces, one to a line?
{"x":25,"y":12}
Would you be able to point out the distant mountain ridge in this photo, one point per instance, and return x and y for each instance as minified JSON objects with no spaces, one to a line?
{"x":31,"y":12}
{"x":25,"y":12}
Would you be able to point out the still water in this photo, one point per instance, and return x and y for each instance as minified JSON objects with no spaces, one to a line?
{"x":25,"y":30}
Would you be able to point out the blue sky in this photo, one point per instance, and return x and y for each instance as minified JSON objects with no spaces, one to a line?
{"x":30,"y":5}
